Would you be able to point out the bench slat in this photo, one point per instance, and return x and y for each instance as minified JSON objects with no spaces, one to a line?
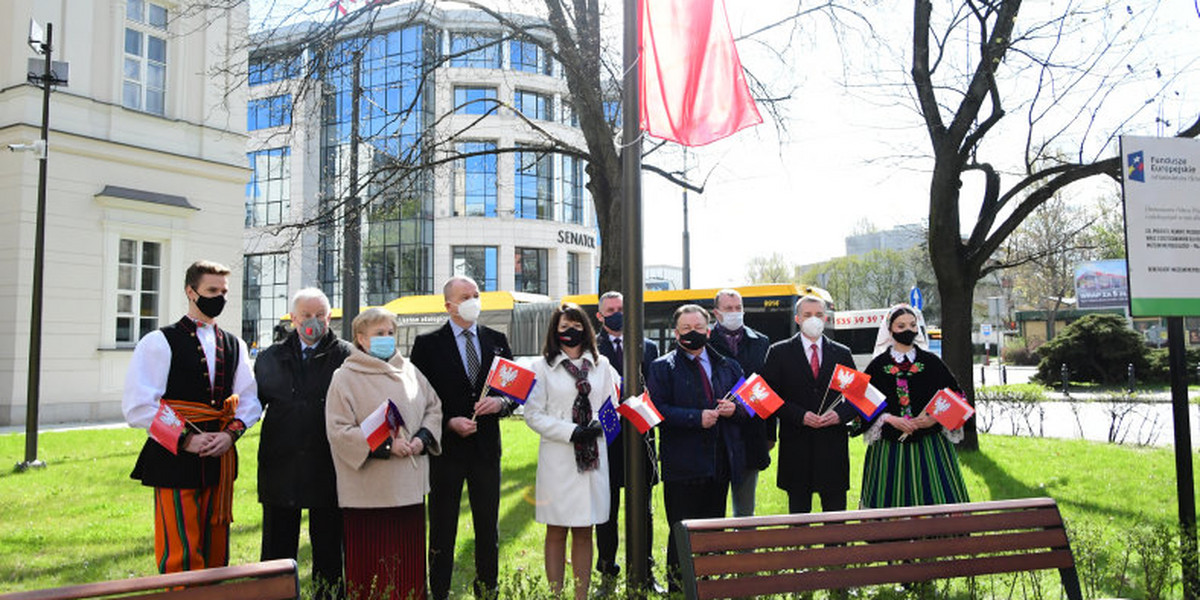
{"x":738,"y":587}
{"x":282,"y":574}
{"x":708,"y":540}
{"x":870,"y":513}
{"x":943,"y":548}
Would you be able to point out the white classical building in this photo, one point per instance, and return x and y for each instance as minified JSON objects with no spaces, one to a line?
{"x":147,"y":173}
{"x":440,"y":82}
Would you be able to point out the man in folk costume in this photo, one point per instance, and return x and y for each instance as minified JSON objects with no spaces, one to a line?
{"x":203,"y":373}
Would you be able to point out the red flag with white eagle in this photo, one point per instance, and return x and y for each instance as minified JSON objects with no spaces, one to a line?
{"x":756,"y":394}
{"x":950,"y":409}
{"x":848,"y":381}
{"x":641,"y":412}
{"x":510,"y":379}
{"x":166,"y":428}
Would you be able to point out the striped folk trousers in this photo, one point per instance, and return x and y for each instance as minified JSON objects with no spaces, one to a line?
{"x":185,"y":539}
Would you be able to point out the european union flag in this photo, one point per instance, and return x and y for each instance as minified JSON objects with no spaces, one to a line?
{"x":609,"y":420}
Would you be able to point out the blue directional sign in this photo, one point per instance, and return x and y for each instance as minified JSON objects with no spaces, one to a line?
{"x":916,"y":298}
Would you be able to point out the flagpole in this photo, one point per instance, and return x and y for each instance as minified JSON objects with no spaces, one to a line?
{"x":637,"y":488}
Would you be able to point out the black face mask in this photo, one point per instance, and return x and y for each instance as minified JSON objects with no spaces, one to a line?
{"x":570,"y":338}
{"x":693,"y":340}
{"x":615,"y":321}
{"x":905,"y":337}
{"x":211,"y":306}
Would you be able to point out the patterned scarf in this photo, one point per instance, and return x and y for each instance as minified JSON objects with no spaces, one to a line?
{"x":587,"y":454}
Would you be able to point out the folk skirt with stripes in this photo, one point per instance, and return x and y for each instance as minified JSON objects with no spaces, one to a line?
{"x":920,"y":471}
{"x":385,"y":552}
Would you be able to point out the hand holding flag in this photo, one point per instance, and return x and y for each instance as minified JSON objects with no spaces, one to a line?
{"x":167,"y":426}
{"x":384,"y":422}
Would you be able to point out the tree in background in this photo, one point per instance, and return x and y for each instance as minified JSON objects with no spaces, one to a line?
{"x":770,"y":269}
{"x":1097,"y":348}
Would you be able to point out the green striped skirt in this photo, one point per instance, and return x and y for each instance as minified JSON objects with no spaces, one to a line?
{"x":916,"y":472}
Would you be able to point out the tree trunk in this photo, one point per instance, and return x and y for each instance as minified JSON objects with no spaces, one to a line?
{"x":957,"y":351}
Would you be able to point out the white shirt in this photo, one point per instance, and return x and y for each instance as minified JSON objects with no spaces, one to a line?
{"x":461,"y":342}
{"x":146,"y":379}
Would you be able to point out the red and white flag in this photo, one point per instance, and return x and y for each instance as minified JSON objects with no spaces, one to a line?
{"x":869,"y":403}
{"x":848,"y":381}
{"x":640,"y":411}
{"x":381,"y":424}
{"x":691,"y":84}
{"x":166,"y":428}
{"x":510,"y":379}
{"x":758,"y":396}
{"x":950,"y":409}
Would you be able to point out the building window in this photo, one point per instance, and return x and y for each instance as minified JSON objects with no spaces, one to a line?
{"x":475,"y":50}
{"x":572,"y":273}
{"x":264,"y":298}
{"x":478,"y":263}
{"x":529,"y":56}
{"x":534,"y":105}
{"x":533,"y":198}
{"x":274,"y":111}
{"x":475,"y":180}
{"x":571,"y":210}
{"x":272,"y":69}
{"x":612,"y":112}
{"x":144,"y":75}
{"x":474,"y":100}
{"x":531,"y":267}
{"x":268,"y":198}
{"x":569,"y":116}
{"x":139,"y":278}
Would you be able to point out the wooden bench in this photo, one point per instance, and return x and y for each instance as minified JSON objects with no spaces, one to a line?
{"x":270,"y":580}
{"x":752,"y":556}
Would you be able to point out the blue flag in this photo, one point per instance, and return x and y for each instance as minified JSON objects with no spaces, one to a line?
{"x":609,"y":420}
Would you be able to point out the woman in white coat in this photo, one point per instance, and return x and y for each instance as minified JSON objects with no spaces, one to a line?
{"x":573,"y":381}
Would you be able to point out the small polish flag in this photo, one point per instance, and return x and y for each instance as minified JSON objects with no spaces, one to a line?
{"x":641,"y":412}
{"x":848,"y":381}
{"x":950,"y":409}
{"x":869,"y":403}
{"x":756,"y":395}
{"x":381,"y":423}
{"x":511,"y":379}
{"x":166,"y":428}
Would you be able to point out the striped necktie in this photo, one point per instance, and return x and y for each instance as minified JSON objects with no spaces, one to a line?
{"x":472,"y":355}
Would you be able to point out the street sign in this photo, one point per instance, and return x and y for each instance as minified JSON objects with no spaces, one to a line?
{"x":916,"y":298}
{"x":985,"y":329}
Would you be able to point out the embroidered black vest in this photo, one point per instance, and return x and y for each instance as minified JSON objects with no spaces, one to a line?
{"x":188,"y":380}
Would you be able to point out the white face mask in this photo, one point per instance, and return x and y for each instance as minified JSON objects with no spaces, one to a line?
{"x":733,"y":320}
{"x":812,"y":327}
{"x":469,"y":309}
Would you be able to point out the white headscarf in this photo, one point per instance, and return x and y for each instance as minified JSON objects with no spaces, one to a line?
{"x":883,"y":340}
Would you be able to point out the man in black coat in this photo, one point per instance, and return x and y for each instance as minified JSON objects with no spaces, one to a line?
{"x":610,"y":343}
{"x":732,"y":338}
{"x":456,"y":358}
{"x":295,"y":468}
{"x":814,"y":455}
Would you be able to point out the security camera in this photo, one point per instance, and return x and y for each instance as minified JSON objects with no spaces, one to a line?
{"x":38,"y":147}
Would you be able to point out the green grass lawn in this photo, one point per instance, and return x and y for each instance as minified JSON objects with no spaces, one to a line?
{"x":82,"y":519}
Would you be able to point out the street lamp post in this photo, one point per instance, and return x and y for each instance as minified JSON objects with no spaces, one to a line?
{"x":32,"y":389}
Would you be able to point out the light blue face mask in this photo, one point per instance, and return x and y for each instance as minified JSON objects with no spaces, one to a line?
{"x":383,"y":346}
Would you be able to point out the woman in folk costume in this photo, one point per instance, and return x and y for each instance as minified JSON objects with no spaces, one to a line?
{"x":910,"y":457}
{"x":573,"y":381}
{"x":381,"y":488}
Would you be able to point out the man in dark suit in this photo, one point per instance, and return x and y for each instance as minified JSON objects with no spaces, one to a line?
{"x":456,"y":358}
{"x":610,"y":343}
{"x":814,"y":456}
{"x":733,"y":339}
{"x":701,"y":433}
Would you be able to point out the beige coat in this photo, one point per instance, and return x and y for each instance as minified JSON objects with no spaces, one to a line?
{"x":358,"y":387}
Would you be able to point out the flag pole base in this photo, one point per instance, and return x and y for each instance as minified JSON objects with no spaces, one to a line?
{"x":21,"y":467}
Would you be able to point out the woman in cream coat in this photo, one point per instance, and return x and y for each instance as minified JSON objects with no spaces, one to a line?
{"x":382,"y":490}
{"x":573,"y":380}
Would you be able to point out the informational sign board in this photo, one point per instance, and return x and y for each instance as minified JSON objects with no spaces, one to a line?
{"x":1102,"y":284}
{"x":1161,"y":185}
{"x":985,"y":330}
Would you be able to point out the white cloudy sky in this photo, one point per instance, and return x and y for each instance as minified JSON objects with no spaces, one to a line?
{"x":852,"y":150}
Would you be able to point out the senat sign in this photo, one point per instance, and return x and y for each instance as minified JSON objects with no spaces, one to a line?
{"x":850,"y":319}
{"x":576,"y":239}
